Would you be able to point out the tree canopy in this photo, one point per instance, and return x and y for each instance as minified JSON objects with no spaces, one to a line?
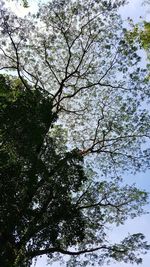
{"x":74,"y":118}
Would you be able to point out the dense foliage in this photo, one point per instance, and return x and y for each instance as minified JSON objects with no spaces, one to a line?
{"x":36,"y":183}
{"x":74,"y":104}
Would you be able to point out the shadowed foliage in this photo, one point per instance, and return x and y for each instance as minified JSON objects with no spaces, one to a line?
{"x":34,"y":176}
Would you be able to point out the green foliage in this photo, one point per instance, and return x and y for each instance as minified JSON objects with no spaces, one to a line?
{"x":145,"y":36}
{"x":140,"y":32}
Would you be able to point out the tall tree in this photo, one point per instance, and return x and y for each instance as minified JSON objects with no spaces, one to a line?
{"x":49,"y":203}
{"x":77,"y":54}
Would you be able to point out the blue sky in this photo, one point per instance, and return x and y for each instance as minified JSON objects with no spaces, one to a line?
{"x":142,"y":224}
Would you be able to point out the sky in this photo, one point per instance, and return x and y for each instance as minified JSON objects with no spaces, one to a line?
{"x":141,"y":224}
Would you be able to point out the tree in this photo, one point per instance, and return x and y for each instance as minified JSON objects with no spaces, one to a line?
{"x":73,"y":61}
{"x":48,"y":201}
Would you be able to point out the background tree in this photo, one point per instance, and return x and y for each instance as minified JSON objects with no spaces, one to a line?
{"x":76,"y":56}
{"x":140,"y":33}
